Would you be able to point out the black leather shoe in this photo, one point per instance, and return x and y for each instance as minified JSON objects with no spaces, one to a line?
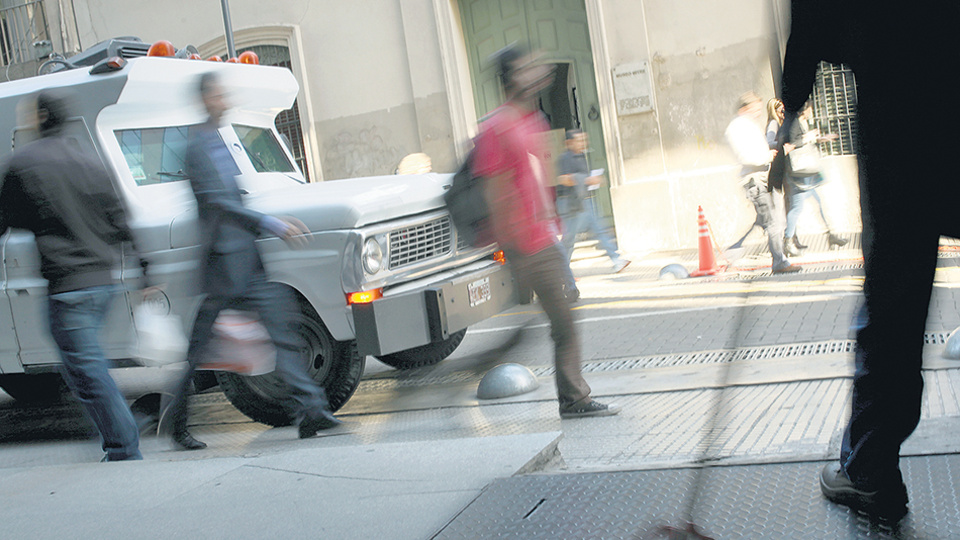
{"x":310,"y":426}
{"x":797,"y":244}
{"x":185,"y":441}
{"x":887,"y":504}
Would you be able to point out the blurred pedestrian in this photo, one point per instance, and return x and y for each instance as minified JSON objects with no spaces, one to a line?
{"x":232,"y":273}
{"x":774,"y":119}
{"x":576,"y":209}
{"x":746,"y":138}
{"x":802,"y":184}
{"x":523,"y":218}
{"x":67,"y":199}
{"x":897,"y":146}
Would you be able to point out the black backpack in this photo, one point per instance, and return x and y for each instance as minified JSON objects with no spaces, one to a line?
{"x":467,"y":204}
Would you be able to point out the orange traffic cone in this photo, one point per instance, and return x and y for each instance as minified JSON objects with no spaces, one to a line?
{"x":708,"y":264}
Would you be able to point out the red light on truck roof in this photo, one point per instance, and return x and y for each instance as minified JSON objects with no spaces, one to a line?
{"x":214,"y":58}
{"x":194,"y":56}
{"x":233,"y":60}
{"x":249,"y":57}
{"x":161,"y":48}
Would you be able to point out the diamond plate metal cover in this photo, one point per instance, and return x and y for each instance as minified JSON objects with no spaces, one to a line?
{"x":777,"y":501}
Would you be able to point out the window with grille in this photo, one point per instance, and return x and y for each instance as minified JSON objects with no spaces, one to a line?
{"x":835,"y":107}
{"x":288,"y":121}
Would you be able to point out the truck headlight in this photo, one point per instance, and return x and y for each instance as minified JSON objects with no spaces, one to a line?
{"x":372,"y":256}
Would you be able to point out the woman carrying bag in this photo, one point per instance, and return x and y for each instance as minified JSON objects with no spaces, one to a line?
{"x":803,"y":178}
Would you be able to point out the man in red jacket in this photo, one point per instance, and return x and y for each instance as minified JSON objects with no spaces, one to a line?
{"x":523,"y":217}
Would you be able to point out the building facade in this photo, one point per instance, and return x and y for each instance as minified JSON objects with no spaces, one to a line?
{"x":654,"y":83}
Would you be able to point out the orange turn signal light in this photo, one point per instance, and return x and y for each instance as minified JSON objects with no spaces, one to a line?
{"x":233,"y":60}
{"x":161,"y":48}
{"x":499,"y":257}
{"x":214,"y":58}
{"x":364,"y":297}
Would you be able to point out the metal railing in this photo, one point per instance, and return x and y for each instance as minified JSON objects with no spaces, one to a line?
{"x":24,"y":33}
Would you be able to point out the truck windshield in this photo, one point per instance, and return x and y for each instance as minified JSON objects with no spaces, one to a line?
{"x":263,"y":149}
{"x":155,"y":155}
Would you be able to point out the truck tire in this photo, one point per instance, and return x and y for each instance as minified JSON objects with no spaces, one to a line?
{"x":424,"y":355}
{"x":336,"y":365}
{"x":36,"y":388}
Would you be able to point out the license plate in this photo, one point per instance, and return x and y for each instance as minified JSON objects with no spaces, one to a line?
{"x":479,"y":291}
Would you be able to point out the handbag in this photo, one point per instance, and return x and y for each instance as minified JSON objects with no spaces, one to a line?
{"x":159,"y":336}
{"x":240,"y":345}
{"x":804,"y":160}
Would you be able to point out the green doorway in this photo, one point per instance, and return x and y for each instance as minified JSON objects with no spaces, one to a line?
{"x":559,"y":29}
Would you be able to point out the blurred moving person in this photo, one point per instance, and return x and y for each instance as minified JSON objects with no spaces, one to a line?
{"x":67,"y":199}
{"x":573,"y":202}
{"x":774,"y":120}
{"x":798,"y":187}
{"x":523,"y":217}
{"x":749,"y":144}
{"x":232,"y":273}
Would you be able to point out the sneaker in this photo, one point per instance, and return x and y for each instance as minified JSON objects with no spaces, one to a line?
{"x":620,"y":265}
{"x":591,"y":408}
{"x":788,"y":269}
{"x":888,"y":504}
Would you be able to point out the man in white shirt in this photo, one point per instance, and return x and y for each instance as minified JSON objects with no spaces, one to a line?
{"x":749,"y":144}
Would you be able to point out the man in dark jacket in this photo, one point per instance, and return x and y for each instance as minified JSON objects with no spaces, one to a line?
{"x":232,"y":273}
{"x":68,"y":201}
{"x":898,"y":149}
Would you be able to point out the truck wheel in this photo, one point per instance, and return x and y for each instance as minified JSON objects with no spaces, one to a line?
{"x":334,"y":364}
{"x":424,"y":355}
{"x":34,"y":387}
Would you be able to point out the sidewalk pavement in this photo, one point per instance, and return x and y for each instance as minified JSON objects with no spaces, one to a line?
{"x":421,"y":457}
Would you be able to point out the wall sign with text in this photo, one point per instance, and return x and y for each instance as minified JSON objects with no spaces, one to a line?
{"x":631,"y":84}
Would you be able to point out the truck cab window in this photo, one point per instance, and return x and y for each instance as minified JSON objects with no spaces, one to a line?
{"x":263,"y":149}
{"x":155,"y":155}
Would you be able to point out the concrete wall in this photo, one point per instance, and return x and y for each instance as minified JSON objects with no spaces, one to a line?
{"x":372,"y":73}
{"x":702,"y":56}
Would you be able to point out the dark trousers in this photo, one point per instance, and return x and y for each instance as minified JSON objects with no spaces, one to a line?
{"x":902,"y":226}
{"x":545,"y":273}
{"x":275,"y":307}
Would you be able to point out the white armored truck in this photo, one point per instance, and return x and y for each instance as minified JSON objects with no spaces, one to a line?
{"x":383,"y":274}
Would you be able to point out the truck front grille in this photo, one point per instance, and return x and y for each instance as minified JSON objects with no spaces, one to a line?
{"x":420,"y":242}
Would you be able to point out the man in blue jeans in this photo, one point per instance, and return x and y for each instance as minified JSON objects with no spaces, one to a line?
{"x":576,"y":209}
{"x":66,"y":198}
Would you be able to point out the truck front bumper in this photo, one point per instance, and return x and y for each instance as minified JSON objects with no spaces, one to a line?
{"x":432,"y":311}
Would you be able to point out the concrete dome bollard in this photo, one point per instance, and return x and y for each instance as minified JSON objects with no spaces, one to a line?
{"x":952,"y":350}
{"x":673,"y":271}
{"x":507,"y":380}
